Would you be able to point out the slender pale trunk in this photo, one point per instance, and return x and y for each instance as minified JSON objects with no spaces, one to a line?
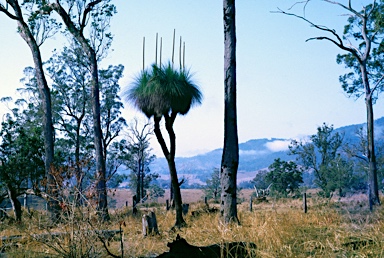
{"x":372,"y":174}
{"x":79,"y":176}
{"x":45,"y":96}
{"x":138,"y":186}
{"x":142,"y":178}
{"x":230,"y":158}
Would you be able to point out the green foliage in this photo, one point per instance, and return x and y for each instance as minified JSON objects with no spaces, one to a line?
{"x":212,"y":188}
{"x":260,"y":180}
{"x":116,"y":180}
{"x":71,"y":97}
{"x":284,"y":176}
{"x":163,"y":89}
{"x":155,"y":191}
{"x":352,"y":82}
{"x":322,"y":155}
{"x":21,"y":158}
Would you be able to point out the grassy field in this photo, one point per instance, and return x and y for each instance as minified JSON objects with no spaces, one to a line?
{"x":331,"y":228}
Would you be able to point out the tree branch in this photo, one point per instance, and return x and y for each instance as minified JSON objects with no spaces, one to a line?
{"x":348,"y":8}
{"x":4,"y":10}
{"x":376,"y":85}
{"x":339,"y":41}
{"x":87,"y":10}
{"x":159,"y":137}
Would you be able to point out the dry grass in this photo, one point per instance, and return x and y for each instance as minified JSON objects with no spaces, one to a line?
{"x":279,"y":228}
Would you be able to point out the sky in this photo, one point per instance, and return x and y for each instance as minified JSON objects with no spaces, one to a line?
{"x":286,"y":87}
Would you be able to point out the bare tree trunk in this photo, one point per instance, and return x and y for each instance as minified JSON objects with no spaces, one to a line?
{"x":372,"y":175}
{"x":230,"y":158}
{"x":101,"y":188}
{"x":79,"y":176}
{"x":45,"y":96}
{"x":138,"y":181}
{"x":143,"y":193}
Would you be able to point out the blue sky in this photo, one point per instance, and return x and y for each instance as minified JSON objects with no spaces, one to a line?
{"x":286,"y":86}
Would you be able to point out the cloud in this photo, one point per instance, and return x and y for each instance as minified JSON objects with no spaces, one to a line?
{"x":278,"y":145}
{"x":251,"y":152}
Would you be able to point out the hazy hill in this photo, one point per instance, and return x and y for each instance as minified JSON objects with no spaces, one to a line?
{"x":254,"y":155}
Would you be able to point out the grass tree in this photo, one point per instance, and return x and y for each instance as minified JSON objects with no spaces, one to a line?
{"x":163,"y":92}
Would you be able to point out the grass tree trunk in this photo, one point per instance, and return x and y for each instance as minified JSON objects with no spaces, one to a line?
{"x":230,"y":158}
{"x":170,"y":156}
{"x":176,"y":193}
{"x":45,"y":96}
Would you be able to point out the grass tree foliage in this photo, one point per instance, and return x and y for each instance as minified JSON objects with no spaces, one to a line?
{"x":163,"y":92}
{"x":362,"y":43}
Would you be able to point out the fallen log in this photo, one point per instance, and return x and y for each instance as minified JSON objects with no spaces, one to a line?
{"x":181,"y":248}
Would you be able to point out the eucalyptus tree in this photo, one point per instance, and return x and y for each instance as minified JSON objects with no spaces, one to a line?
{"x":230,"y":158}
{"x":71,"y":92}
{"x":284,"y":177}
{"x":212,"y":188}
{"x":77,"y":15}
{"x":35,"y":27}
{"x":164,"y":92}
{"x":322,"y":155}
{"x":21,"y":156}
{"x":365,"y":29}
{"x":71,"y":97}
{"x":112,"y":123}
{"x":139,"y":158}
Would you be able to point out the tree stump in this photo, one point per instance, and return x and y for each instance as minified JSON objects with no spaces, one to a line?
{"x":150,"y":224}
{"x":185,"y":208}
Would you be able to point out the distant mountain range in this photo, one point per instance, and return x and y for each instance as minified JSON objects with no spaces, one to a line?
{"x":254,"y":155}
